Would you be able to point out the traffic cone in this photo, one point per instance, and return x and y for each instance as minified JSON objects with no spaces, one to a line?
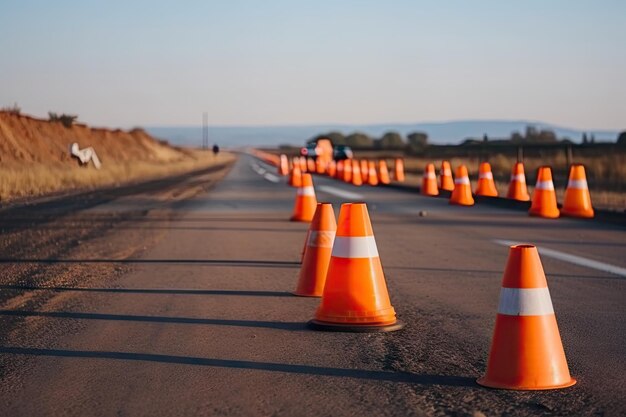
{"x":332,"y":169}
{"x":429,"y":181}
{"x":303,"y":164}
{"x":462,"y":193}
{"x":355,"y":297}
{"x":526,"y":350}
{"x":365,"y":169}
{"x":383,"y":172}
{"x":304,"y":207}
{"x":295,"y":179}
{"x":398,"y":169}
{"x":283,"y":166}
{"x":320,"y":166}
{"x":372,"y":175}
{"x":347,"y":170}
{"x":577,"y":201}
{"x":486,"y":186}
{"x":318,"y":247}
{"x":517,"y":186}
{"x":339,"y":172}
{"x":356,"y":174}
{"x":544,"y":198}
{"x":446,"y":181}
{"x":310,"y":165}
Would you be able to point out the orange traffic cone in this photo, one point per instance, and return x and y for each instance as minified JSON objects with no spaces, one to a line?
{"x":486,"y":186}
{"x":295,"y":179}
{"x":347,"y":170}
{"x":383,"y":172}
{"x":526,"y":350}
{"x":304,"y":207}
{"x":462,"y":193}
{"x":332,"y":169}
{"x":318,"y":247}
{"x":517,"y":186}
{"x":303,"y":164}
{"x":429,"y":181}
{"x":310,"y":165}
{"x":283,"y":166}
{"x":339,"y":172}
{"x":577,"y":201}
{"x":320,"y":166}
{"x":544,"y":198}
{"x":372,"y":175}
{"x":446,"y":183}
{"x":365,"y":169}
{"x":356,"y":174}
{"x":355,"y":295}
{"x":398,"y":169}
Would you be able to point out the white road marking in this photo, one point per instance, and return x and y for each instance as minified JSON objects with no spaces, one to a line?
{"x":339,"y":192}
{"x":271,"y":177}
{"x":573,"y":259}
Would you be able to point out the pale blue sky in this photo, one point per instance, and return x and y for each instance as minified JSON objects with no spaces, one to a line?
{"x":127,"y":63}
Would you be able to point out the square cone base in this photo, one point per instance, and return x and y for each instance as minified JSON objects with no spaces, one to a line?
{"x":483,"y":381}
{"x":354,"y":328}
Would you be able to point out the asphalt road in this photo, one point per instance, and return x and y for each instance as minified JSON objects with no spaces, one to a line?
{"x":165,"y":301}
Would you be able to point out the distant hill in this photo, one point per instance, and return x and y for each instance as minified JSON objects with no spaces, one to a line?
{"x":452,"y":132}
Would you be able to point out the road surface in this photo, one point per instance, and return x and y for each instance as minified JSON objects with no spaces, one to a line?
{"x":174,"y":299}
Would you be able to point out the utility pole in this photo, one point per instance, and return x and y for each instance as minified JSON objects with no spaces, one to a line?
{"x":205,"y":130}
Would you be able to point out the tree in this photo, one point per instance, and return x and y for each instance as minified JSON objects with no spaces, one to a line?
{"x":336,"y":138}
{"x":391,"y":140}
{"x":547,"y":136}
{"x":585,"y":140}
{"x":359,"y":140}
{"x":621,"y":138}
{"x":418,"y":141}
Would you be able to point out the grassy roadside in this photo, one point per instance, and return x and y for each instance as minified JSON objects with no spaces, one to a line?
{"x":35,"y":179}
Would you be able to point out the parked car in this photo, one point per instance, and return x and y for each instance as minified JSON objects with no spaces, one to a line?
{"x":341,"y":152}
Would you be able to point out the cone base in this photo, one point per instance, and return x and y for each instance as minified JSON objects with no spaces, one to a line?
{"x":581,"y":215}
{"x":551,"y":215}
{"x":354,"y":328}
{"x":491,"y":384}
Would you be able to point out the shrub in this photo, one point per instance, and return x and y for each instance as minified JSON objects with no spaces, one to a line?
{"x":66,"y":120}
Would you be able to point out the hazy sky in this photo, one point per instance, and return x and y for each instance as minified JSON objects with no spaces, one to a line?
{"x":127,"y":63}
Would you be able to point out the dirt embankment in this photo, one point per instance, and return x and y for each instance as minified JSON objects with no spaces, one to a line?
{"x":35,"y":157}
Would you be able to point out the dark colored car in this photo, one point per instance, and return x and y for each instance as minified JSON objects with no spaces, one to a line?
{"x":341,"y":152}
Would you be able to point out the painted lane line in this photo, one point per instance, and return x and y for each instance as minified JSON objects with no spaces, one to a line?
{"x":339,"y":192}
{"x":573,"y":259}
{"x":271,"y":177}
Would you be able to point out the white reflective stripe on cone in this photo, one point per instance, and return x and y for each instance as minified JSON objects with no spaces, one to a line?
{"x":321,"y":239}
{"x":446,"y":173}
{"x":525,"y":302}
{"x":544,"y":185}
{"x":579,"y":184}
{"x":463,"y":180}
{"x":430,"y":175}
{"x":518,"y":178}
{"x":355,"y":247}
{"x":310,"y":191}
{"x":486,"y":176}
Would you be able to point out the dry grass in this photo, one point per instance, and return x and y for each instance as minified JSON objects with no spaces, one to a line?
{"x":34,"y":179}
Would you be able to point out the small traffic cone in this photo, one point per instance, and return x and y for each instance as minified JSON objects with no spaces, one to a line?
{"x":526,"y":350}
{"x":304,"y":207}
{"x":332,"y":169}
{"x":365,"y":169}
{"x":303,"y":164}
{"x":517,"y":186}
{"x":486,"y":186}
{"x":283,"y":166}
{"x":544,"y":197}
{"x":355,"y":297}
{"x":462,"y":193}
{"x":356,"y":174}
{"x":318,"y":247}
{"x":295,"y":179}
{"x":339,"y":172}
{"x":577,"y":201}
{"x":310,"y":165}
{"x":372,"y":175}
{"x":429,"y":181}
{"x":446,"y":181}
{"x":347,"y":170}
{"x":398,"y":170}
{"x":320,"y":167}
{"x":383,"y":172}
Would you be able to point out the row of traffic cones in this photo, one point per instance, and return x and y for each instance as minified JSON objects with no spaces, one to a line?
{"x":341,"y":265}
{"x":577,"y":202}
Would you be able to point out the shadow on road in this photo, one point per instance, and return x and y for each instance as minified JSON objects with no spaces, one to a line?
{"x":293,"y":326}
{"x":151,"y":291}
{"x":405,"y":377}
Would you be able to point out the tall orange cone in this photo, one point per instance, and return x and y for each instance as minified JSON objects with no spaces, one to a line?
{"x":429,"y":181}
{"x":339,"y":172}
{"x":517,"y":186}
{"x":544,"y":197}
{"x":304,"y":207}
{"x":486,"y":186}
{"x":310,"y":165}
{"x":577,"y":201}
{"x":355,"y":297}
{"x":372,"y":175}
{"x":347,"y":170}
{"x":398,"y":170}
{"x":446,"y":181}
{"x":283,"y":166}
{"x":383,"y":172}
{"x":365,"y":169}
{"x":318,"y":247}
{"x":295,"y":179}
{"x":320,"y":166}
{"x":356,"y":173}
{"x":462,"y":193}
{"x":526,"y":350}
{"x":332,"y":169}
